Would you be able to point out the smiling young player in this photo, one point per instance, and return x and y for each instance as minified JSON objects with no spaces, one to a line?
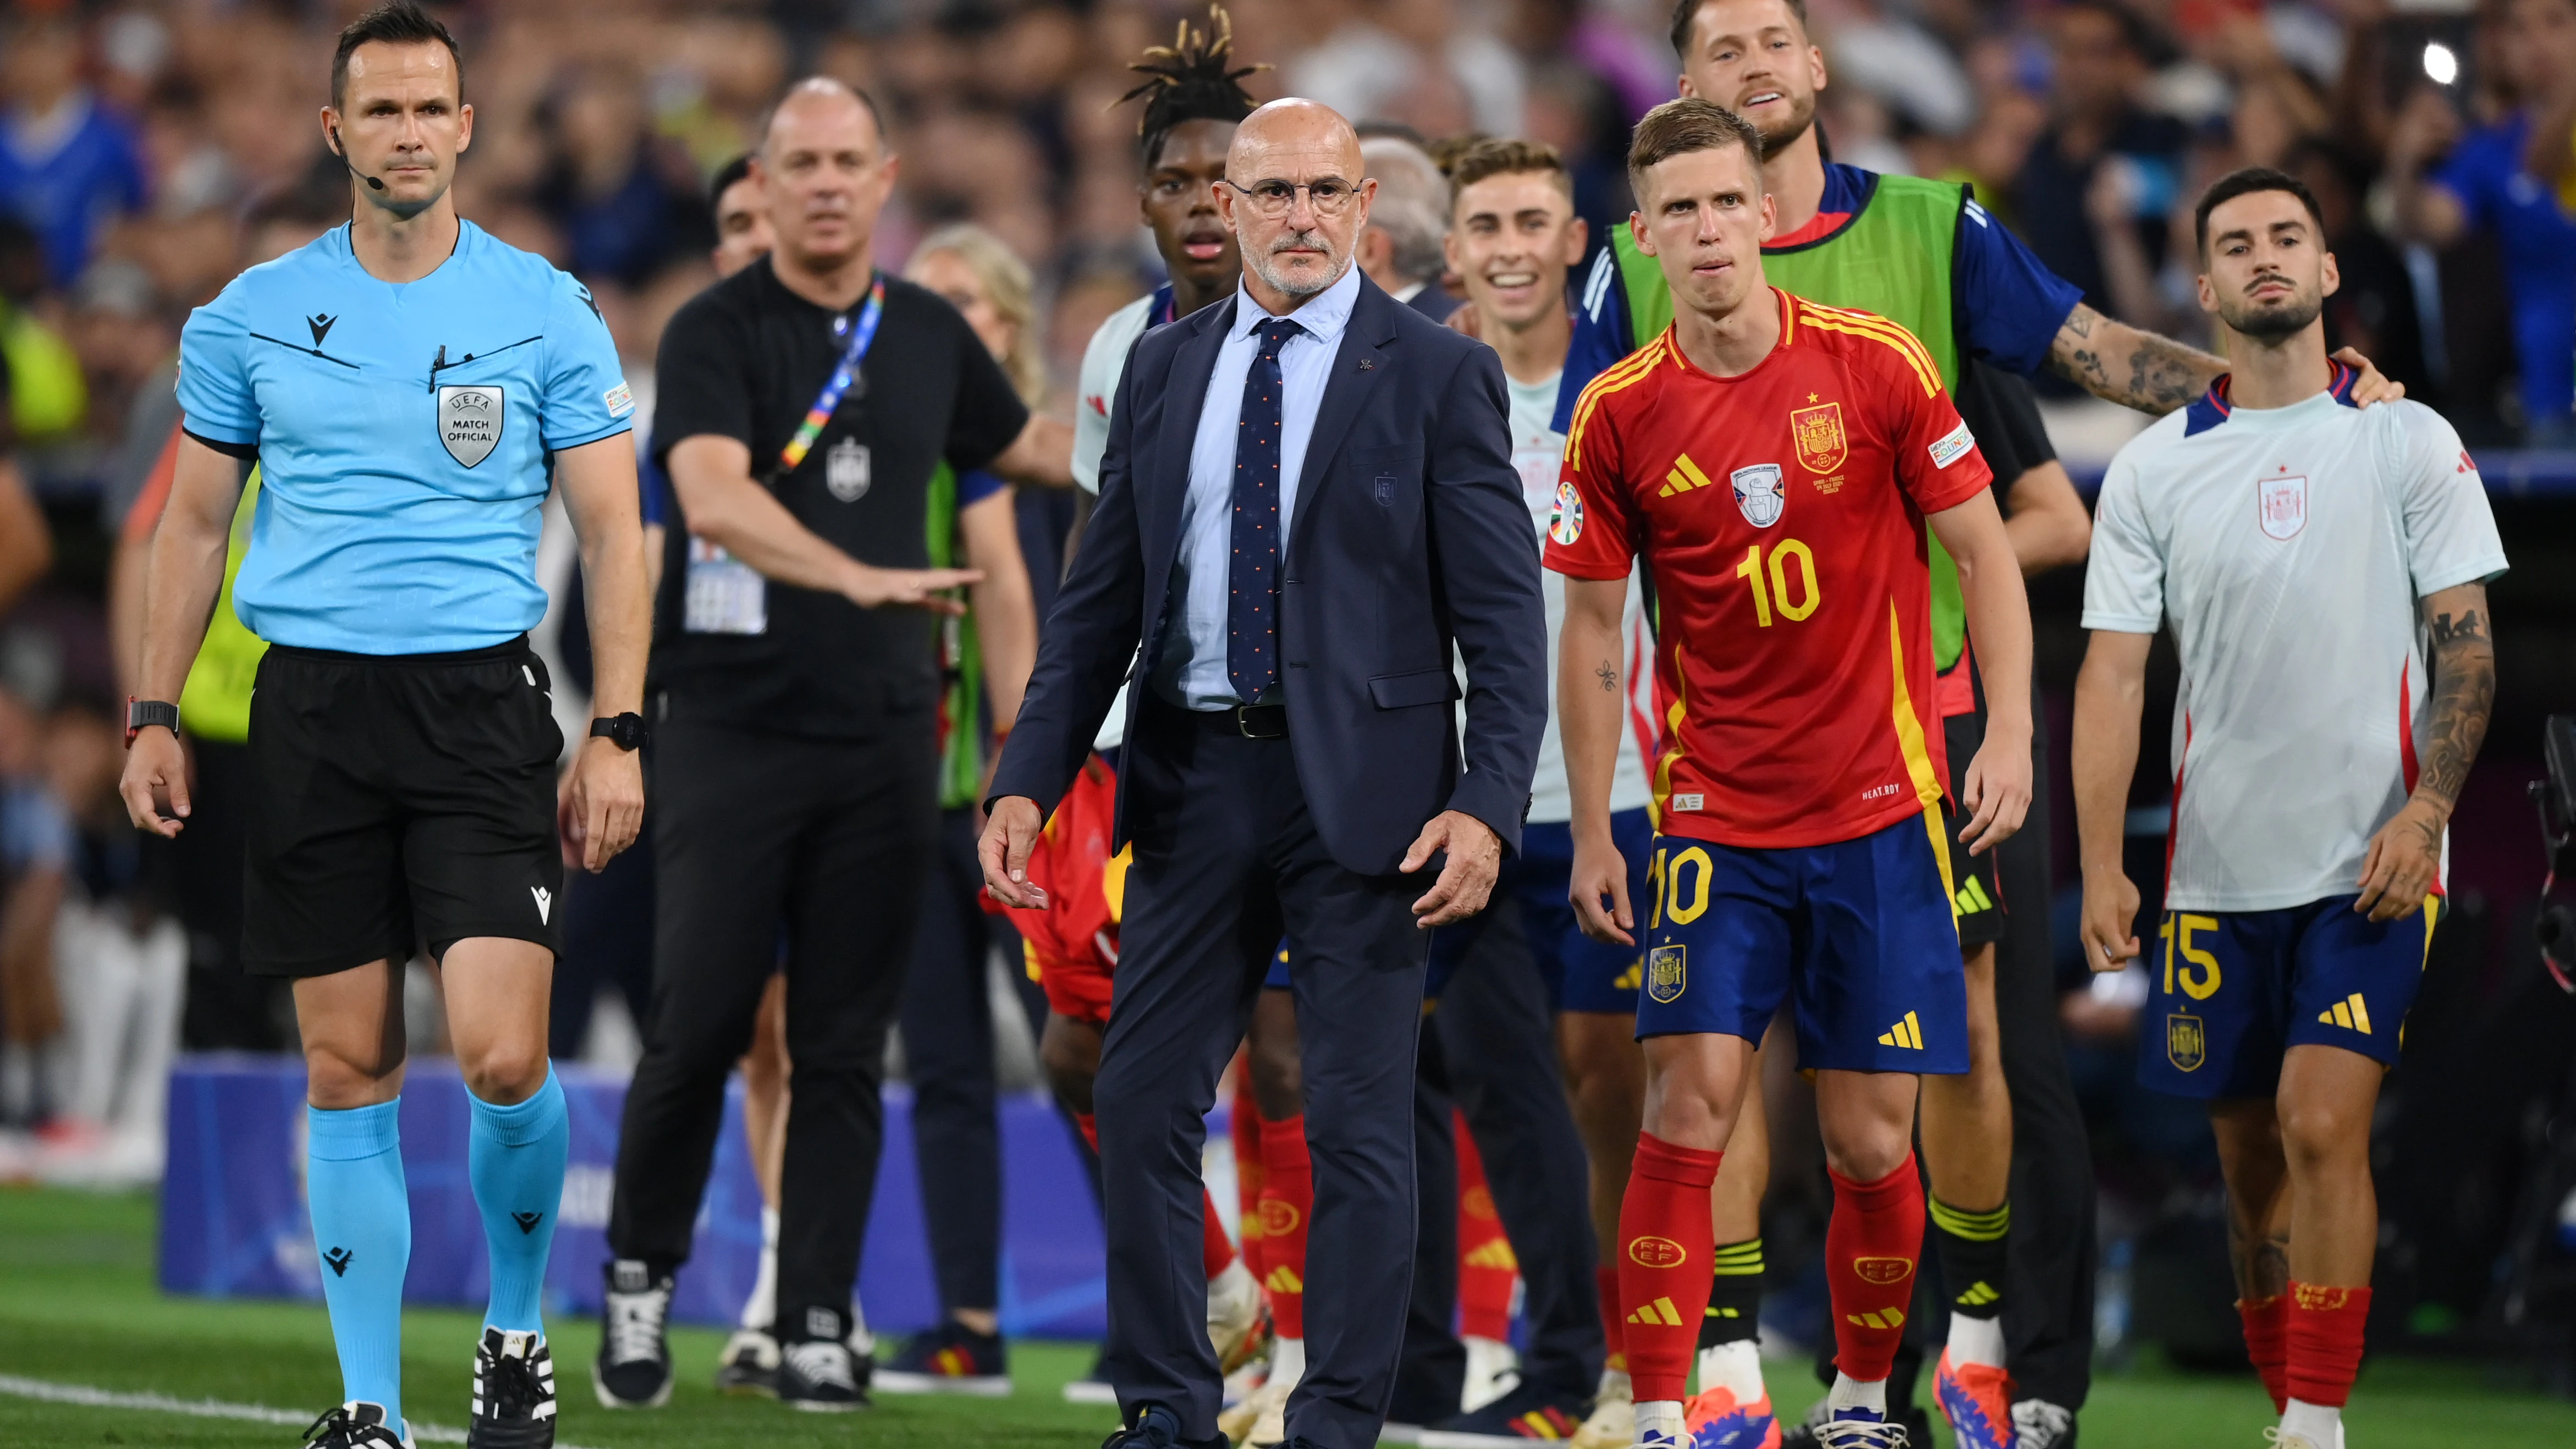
{"x":2304,"y":553}
{"x":1781,"y":467}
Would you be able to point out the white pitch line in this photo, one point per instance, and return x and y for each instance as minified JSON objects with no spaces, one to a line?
{"x":86,"y":1397}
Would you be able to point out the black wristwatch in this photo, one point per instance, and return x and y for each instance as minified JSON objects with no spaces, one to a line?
{"x":143,"y":713}
{"x":627,"y":730}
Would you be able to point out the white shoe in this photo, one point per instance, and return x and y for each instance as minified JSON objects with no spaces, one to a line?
{"x":2279,"y":1440}
{"x":1493,"y":1370}
{"x":1233,"y":1316}
{"x":1260,"y":1420}
{"x":1613,"y":1424}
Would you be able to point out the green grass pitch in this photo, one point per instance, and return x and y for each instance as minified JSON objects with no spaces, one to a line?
{"x":78,"y":1307}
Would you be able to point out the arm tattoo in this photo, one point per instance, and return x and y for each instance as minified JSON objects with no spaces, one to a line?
{"x":1608,"y":674}
{"x":2463,"y":698}
{"x":2130,"y":367}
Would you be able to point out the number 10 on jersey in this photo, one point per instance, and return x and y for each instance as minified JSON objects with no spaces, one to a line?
{"x":1771,"y":585}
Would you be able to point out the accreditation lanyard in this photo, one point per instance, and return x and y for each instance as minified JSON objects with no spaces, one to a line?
{"x":846,"y":374}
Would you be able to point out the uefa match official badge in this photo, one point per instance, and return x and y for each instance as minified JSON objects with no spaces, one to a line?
{"x":1667,"y":973}
{"x":2284,"y":504}
{"x":1758,"y":493}
{"x":1818,"y":434}
{"x":469,"y":421}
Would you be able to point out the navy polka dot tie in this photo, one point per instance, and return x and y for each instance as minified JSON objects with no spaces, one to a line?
{"x":1252,"y":585}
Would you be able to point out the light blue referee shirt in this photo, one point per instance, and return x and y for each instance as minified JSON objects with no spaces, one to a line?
{"x":405,"y":434}
{"x":1191,"y":672}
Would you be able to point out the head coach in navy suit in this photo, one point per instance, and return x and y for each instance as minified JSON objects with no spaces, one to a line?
{"x":1307,"y":501}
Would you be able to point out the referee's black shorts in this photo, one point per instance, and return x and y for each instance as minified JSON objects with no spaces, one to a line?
{"x":402,"y":801}
{"x":1976,"y":883}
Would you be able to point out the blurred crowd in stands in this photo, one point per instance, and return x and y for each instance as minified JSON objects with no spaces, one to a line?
{"x":151,"y":148}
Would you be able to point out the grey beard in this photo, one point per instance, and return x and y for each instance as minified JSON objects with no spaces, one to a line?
{"x":1298,"y":287}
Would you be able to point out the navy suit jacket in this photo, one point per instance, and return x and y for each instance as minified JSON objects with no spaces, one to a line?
{"x":1409,"y":536}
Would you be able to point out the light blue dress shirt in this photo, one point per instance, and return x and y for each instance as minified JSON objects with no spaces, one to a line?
{"x":1192,"y":670}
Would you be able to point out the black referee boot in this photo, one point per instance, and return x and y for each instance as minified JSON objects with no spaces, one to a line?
{"x":514,"y":1392}
{"x":818,"y":1373}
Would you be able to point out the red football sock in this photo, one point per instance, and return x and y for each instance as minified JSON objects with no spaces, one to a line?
{"x":1665,"y":1262}
{"x":1246,"y":1125}
{"x":1216,"y":1250}
{"x":2324,"y":1340}
{"x":1605,"y":1281}
{"x":1486,"y":1266}
{"x":1287,"y":1202}
{"x":1870,"y":1250}
{"x":2267,"y":1324}
{"x":1090,"y":1126}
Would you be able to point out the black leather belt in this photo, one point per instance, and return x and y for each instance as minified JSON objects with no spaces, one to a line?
{"x":1251,"y":721}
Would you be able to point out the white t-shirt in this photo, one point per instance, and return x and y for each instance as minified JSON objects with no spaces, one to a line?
{"x":1104,"y":361}
{"x":1538,"y":453}
{"x":2287,"y":548}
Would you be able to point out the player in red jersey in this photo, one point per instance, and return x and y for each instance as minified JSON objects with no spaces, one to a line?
{"x":1776,"y":464}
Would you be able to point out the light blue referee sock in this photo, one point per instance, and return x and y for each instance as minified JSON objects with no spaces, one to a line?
{"x":353,"y":1179}
{"x":515,"y":1157}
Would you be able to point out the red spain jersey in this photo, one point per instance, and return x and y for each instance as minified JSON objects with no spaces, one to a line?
{"x":1780,"y":515}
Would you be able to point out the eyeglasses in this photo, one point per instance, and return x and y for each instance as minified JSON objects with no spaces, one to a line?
{"x":1329,"y":197}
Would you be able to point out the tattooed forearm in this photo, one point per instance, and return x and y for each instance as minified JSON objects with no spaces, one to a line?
{"x":1608,"y":674}
{"x":2132,"y":368}
{"x":2463,"y":691}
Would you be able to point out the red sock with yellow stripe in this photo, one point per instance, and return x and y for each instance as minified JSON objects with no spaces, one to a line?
{"x":1665,"y":1260}
{"x":2324,"y":1339}
{"x":1287,"y":1203}
{"x":1486,"y":1266}
{"x":2267,"y":1344}
{"x":1870,"y":1250}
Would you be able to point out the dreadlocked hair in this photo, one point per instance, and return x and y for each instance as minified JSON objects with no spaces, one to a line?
{"x":1191,"y":79}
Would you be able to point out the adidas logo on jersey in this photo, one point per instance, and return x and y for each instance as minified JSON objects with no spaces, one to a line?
{"x":1684,"y":477}
{"x":1972,"y":898}
{"x":1907,"y":1033}
{"x":2351,"y":1013}
{"x":1658,"y":1314}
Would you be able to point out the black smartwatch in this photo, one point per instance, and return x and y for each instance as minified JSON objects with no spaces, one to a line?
{"x":141,"y":714}
{"x":626,"y":730}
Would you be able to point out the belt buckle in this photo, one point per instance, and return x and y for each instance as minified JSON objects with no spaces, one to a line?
{"x":1243,"y":718}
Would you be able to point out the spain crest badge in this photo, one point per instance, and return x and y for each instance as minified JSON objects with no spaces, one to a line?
{"x":1818,"y":435}
{"x":2186,"y":1042}
{"x":1667,"y":973}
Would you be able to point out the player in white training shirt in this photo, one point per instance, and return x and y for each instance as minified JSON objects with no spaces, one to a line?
{"x":2305,"y":555}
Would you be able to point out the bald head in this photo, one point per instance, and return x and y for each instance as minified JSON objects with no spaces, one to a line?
{"x":1295,"y":197}
{"x":822,"y":101}
{"x":825,"y":171}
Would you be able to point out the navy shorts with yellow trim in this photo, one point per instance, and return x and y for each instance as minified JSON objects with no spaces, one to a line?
{"x":2230,"y":992}
{"x":1859,"y":933}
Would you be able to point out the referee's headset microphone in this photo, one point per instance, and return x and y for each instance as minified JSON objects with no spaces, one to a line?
{"x":341,"y":150}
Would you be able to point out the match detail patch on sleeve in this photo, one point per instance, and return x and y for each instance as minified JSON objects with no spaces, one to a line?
{"x":620,"y":400}
{"x":1950,"y":447}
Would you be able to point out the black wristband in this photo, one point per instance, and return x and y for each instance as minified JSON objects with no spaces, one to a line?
{"x":626,"y":731}
{"x":141,"y":714}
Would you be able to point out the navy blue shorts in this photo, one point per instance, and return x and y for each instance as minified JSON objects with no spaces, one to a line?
{"x":2230,"y":992}
{"x":1582,"y":974}
{"x":1861,"y":932}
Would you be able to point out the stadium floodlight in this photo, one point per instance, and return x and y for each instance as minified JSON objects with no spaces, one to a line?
{"x":2441,"y":63}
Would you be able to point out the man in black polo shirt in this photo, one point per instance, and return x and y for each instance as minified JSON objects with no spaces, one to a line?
{"x":804,"y":404}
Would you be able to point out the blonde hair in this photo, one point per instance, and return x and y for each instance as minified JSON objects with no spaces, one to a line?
{"x":1008,"y":285}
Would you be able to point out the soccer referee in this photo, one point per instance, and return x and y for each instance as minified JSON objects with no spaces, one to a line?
{"x":404,"y":383}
